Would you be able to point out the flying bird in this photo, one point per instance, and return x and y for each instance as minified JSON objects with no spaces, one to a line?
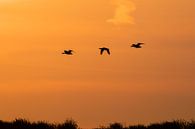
{"x":104,"y":49}
{"x":68,"y":52}
{"x":137,"y":45}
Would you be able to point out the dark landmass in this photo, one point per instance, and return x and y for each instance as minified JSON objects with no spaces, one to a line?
{"x":71,"y":124}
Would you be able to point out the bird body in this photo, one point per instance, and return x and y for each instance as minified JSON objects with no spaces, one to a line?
{"x":68,"y":52}
{"x":137,"y":45}
{"x":104,"y":49}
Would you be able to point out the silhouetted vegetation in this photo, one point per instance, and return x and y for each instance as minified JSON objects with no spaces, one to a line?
{"x":71,"y":124}
{"x":177,"y":124}
{"x":68,"y":124}
{"x":25,"y":124}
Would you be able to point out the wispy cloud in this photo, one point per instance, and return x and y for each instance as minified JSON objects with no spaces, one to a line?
{"x":123,"y":11}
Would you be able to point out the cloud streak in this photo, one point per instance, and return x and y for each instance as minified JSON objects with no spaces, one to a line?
{"x":123,"y":11}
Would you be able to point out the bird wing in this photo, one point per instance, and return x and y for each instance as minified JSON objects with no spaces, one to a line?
{"x":140,"y":43}
{"x":108,"y":51}
{"x":101,"y":51}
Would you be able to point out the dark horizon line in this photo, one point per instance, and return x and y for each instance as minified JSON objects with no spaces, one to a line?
{"x":20,"y":123}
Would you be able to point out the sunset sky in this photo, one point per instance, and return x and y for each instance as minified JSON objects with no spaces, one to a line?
{"x":131,"y":86}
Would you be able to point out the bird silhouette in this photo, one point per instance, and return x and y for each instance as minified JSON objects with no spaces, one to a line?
{"x":104,"y":49}
{"x":68,"y":52}
{"x":137,"y":45}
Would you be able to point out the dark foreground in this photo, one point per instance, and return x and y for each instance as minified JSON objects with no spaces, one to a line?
{"x":71,"y":124}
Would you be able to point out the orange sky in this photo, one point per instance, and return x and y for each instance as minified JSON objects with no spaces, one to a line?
{"x":132,"y":85}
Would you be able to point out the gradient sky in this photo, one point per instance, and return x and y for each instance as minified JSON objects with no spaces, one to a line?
{"x":132,"y":86}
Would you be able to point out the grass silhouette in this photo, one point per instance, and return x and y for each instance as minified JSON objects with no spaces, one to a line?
{"x":71,"y":124}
